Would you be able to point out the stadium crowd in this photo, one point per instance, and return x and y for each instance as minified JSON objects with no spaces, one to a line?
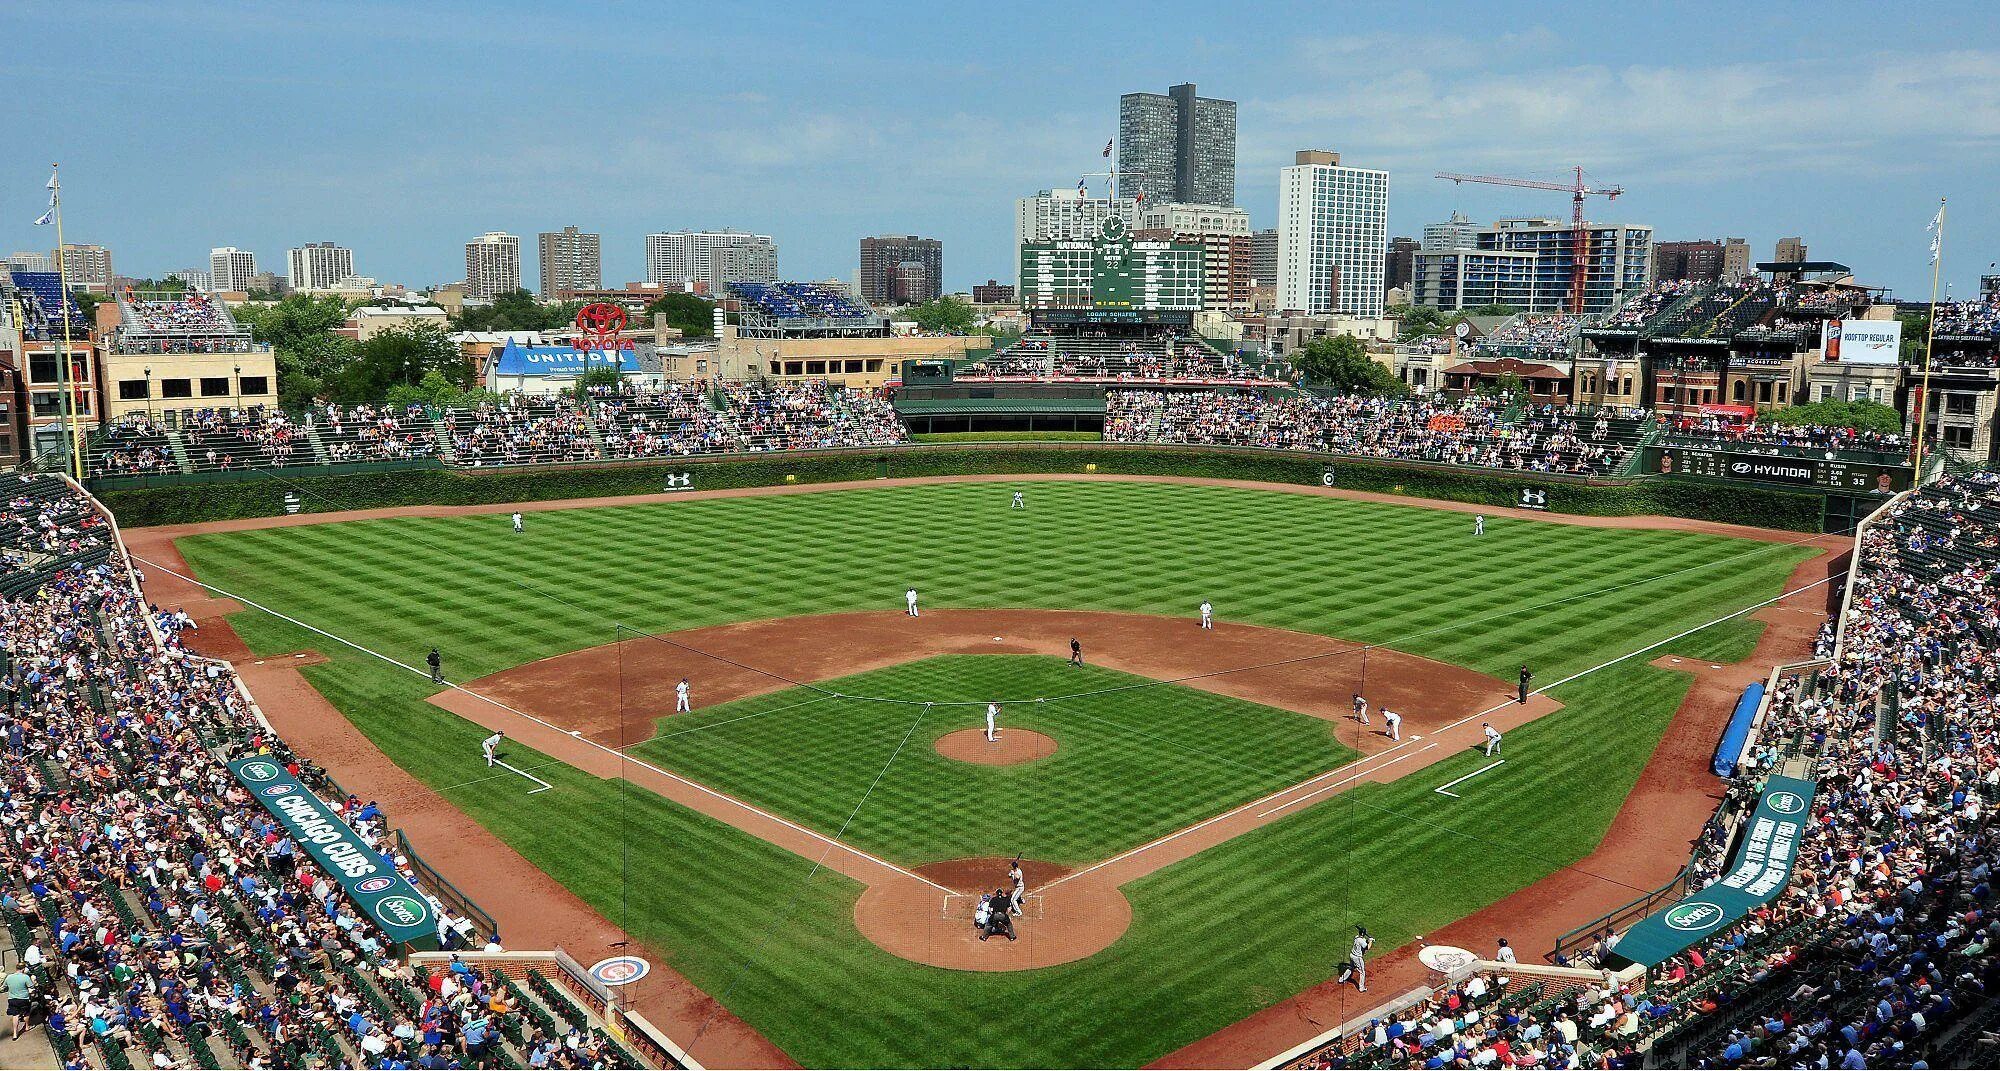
{"x":1636,"y":312}
{"x":374,"y":432}
{"x":1547,"y":335}
{"x":1470,"y":432}
{"x":160,"y":914}
{"x":1767,"y":436}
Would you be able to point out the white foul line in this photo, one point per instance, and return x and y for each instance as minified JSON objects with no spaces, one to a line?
{"x":545,"y":785}
{"x":1440,"y":790}
{"x":668,"y":774}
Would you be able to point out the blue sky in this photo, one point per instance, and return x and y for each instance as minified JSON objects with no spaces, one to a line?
{"x":404,"y":130}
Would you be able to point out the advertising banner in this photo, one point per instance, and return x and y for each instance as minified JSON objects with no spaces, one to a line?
{"x":1853,"y":477}
{"x":373,"y":885}
{"x":1757,"y":874}
{"x":1862,"y":341}
{"x":519,"y":360}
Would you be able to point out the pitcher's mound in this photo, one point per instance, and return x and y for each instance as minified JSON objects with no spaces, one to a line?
{"x":1014,"y":747}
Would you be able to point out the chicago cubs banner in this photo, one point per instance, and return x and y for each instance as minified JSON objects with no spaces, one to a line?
{"x":1758,"y":873}
{"x":373,"y":885}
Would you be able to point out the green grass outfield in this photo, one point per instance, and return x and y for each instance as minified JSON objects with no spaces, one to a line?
{"x":1214,"y":938}
{"x":1131,"y":765}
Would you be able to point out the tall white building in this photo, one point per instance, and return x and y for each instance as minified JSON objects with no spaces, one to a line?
{"x":1066,"y":216}
{"x":492,"y":265}
{"x":1333,"y":225}
{"x":29,"y":262}
{"x":1458,"y":232}
{"x":707,"y":259}
{"x":318,"y":265}
{"x":196,"y":278}
{"x":230,"y":268}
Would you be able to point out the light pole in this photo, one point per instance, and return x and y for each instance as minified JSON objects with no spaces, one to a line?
{"x":149,"y":392}
{"x":236,"y":387}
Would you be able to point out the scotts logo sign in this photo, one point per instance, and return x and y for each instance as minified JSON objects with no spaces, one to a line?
{"x":1757,"y":873}
{"x":1699,"y":915}
{"x":374,"y":885}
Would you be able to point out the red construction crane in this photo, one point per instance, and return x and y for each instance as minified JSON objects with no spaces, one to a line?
{"x":1579,"y":239}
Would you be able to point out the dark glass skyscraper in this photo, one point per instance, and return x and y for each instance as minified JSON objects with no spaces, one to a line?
{"x":1177,"y":147}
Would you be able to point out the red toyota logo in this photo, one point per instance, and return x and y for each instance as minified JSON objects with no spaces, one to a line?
{"x":600,"y":319}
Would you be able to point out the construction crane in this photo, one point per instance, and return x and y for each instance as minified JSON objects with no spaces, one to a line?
{"x":1579,"y":239}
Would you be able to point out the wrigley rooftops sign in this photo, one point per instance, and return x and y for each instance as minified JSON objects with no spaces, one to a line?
{"x":373,"y":885}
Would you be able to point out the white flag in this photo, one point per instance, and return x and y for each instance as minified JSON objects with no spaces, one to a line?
{"x":1937,"y":234}
{"x":49,"y":216}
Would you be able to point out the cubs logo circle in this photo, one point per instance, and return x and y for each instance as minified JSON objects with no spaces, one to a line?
{"x":375,"y":884}
{"x":1326,"y":478}
{"x":279,"y":789}
{"x":1695,"y":915}
{"x":620,"y":970}
{"x":260,"y":770}
{"x":1787,"y":802}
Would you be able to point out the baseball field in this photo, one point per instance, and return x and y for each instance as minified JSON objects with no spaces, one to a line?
{"x":1202,"y":820}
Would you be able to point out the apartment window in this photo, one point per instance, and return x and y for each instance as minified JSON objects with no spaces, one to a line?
{"x":44,"y":368}
{"x":1957,"y":436}
{"x":1825,"y":392}
{"x":255,"y":384}
{"x":134,"y":390}
{"x":1959,"y":404}
{"x":177,"y":388}
{"x":215,"y":386}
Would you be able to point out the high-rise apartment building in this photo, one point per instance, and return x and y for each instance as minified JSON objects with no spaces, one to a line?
{"x":1791,"y":251}
{"x":1400,"y":265}
{"x":1458,"y":232}
{"x":1705,"y":260}
{"x":87,"y":267}
{"x":1223,"y":232}
{"x":1177,"y":146}
{"x":901,"y":269}
{"x":570,"y":260}
{"x":28,"y":262}
{"x":196,"y":278}
{"x":1333,"y":224}
{"x":992,"y":292}
{"x":1066,"y":215}
{"x":492,"y":265}
{"x":1528,"y":264}
{"x":1264,"y":258}
{"x":701,"y":261}
{"x":231,"y":269}
{"x":318,"y":265}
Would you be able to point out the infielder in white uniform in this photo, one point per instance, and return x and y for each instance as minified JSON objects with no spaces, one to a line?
{"x":1020,"y":501}
{"x":1392,"y":724}
{"x":519,"y":526}
{"x":681,"y":705}
{"x":1207,"y":615}
{"x":910,"y":602}
{"x":992,"y":722}
{"x":1492,"y":738}
{"x":491,"y":747}
{"x":1361,"y":708}
{"x":1478,"y":526}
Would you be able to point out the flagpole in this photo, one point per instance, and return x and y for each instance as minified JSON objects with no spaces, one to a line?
{"x":62,"y":307}
{"x":1930,"y":340}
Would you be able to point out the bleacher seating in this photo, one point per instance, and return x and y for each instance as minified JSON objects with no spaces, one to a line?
{"x":162,"y":918}
{"x":802,"y":301}
{"x":522,"y":430}
{"x":42,"y":301}
{"x":132,"y":446}
{"x":1157,"y":359}
{"x":374,"y":433}
{"x":225,"y":440}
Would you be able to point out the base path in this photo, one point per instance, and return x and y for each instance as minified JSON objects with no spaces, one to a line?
{"x":587,"y":707}
{"x":1645,"y":848}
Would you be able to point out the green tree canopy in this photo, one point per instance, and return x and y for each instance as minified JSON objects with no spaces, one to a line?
{"x":405,"y":354}
{"x":1341,"y":363}
{"x":300,"y":329}
{"x":692,"y":314}
{"x":946,"y":315}
{"x":1860,"y":416}
{"x":515,"y":310}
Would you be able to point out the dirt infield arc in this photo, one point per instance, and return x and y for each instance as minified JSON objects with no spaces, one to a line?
{"x":587,"y":706}
{"x":1650,"y":835}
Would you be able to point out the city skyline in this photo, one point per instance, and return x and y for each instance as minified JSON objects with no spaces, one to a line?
{"x":1646,"y":100}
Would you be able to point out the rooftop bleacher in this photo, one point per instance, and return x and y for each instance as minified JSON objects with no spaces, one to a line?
{"x":188,"y":322}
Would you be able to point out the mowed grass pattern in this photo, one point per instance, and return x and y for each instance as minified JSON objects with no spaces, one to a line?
{"x":1131,"y":764}
{"x":1213,"y":938}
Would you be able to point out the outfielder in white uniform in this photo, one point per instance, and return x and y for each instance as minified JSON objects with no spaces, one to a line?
{"x":1478,"y":526}
{"x":519,"y":525}
{"x":1392,"y":724}
{"x":992,"y":722}
{"x":1020,"y":501}
{"x":681,"y":705}
{"x":1492,"y":738}
{"x":910,"y":602}
{"x":490,"y":747}
{"x":1207,"y":615}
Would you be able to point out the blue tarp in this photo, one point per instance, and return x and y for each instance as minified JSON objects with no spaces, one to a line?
{"x":1738,"y":730}
{"x":519,"y":360}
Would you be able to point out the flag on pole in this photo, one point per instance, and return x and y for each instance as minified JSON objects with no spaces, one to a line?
{"x":1081,"y":189}
{"x":1107,"y":148}
{"x":49,"y":216}
{"x":1937,"y":233}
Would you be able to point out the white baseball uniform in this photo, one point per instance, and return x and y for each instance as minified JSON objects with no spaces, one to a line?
{"x":910,"y":600}
{"x":518,"y":524}
{"x":681,"y":705}
{"x":1492,"y":740}
{"x":490,"y":745}
{"x":992,"y":722}
{"x":1361,"y":709}
{"x":1392,"y":724}
{"x":1478,"y":526}
{"x":1020,"y":501}
{"x":1207,"y":615}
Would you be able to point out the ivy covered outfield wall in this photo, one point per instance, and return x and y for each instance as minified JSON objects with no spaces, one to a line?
{"x":180,"y":503}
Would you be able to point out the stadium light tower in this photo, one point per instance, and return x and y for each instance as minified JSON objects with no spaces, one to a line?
{"x":1579,"y":239}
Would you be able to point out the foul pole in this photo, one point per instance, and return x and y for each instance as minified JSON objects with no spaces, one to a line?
{"x":62,"y":308}
{"x":1930,"y":340}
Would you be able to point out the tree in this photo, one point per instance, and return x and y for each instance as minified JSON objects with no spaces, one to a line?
{"x":945,"y":315}
{"x":300,"y":329}
{"x":1422,"y":321}
{"x":693,"y":315}
{"x":1860,"y":416}
{"x":1341,"y":363}
{"x":516,"y":310}
{"x":405,"y":354}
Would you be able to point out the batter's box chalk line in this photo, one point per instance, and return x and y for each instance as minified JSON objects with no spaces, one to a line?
{"x":962,"y":905}
{"x":545,"y":785}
